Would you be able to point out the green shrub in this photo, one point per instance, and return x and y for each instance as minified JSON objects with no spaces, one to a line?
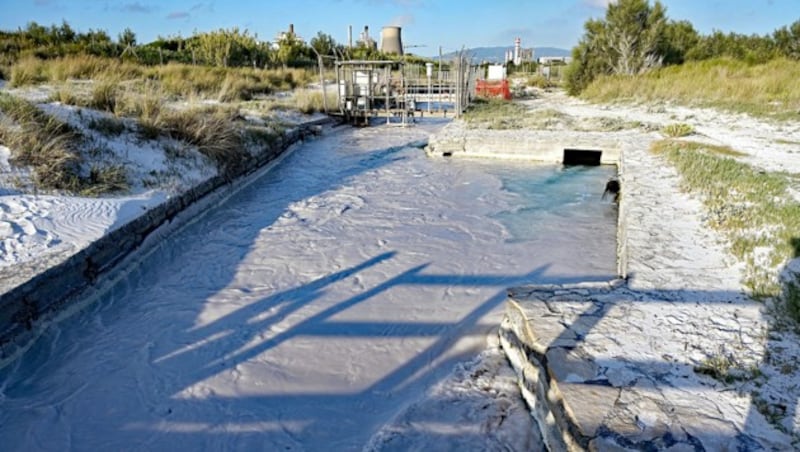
{"x":677,"y":130}
{"x":753,"y":208}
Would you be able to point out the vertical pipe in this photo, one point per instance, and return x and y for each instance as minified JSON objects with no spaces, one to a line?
{"x":339,"y":88}
{"x":350,"y":36}
{"x":386,"y":73}
{"x":322,"y":81}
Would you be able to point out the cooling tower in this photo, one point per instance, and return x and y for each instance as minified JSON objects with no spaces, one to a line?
{"x":390,"y":40}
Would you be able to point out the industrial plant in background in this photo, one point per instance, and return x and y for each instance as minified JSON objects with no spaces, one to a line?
{"x":391,"y":42}
{"x":519,"y":55}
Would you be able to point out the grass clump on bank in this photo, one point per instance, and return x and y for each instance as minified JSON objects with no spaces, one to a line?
{"x":52,"y":149}
{"x":213,"y":133}
{"x":42,"y":142}
{"x":677,"y":130}
{"x":766,"y":90}
{"x":753,"y":208}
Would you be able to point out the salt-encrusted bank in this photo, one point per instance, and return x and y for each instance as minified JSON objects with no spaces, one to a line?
{"x":631,"y":364}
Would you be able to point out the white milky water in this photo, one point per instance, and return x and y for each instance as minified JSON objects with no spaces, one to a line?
{"x":312,"y":306}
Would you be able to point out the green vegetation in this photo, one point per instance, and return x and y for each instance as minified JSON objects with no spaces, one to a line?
{"x":539,"y":81}
{"x":677,"y":130}
{"x":635,"y":38}
{"x":497,"y":114}
{"x":223,"y":48}
{"x":752,"y":208}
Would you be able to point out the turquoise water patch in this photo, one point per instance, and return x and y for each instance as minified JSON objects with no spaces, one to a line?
{"x":554,"y":198}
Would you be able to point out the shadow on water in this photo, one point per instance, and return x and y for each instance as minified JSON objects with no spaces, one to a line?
{"x":175,"y":294}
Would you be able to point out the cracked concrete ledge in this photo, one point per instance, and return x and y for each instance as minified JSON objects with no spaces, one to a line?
{"x":589,"y":391}
{"x":36,"y":292}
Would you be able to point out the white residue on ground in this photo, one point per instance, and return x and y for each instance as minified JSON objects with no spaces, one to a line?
{"x":313,"y":320}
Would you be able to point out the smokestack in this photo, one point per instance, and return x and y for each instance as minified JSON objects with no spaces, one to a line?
{"x":350,"y":36}
{"x":291,"y":29}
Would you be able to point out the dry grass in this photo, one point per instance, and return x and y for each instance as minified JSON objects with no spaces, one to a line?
{"x":224,"y":84}
{"x":769,"y":89}
{"x":52,"y":149}
{"x":132,"y":91}
{"x":214,"y":133}
{"x":312,"y":101}
{"x":495,"y":114}
{"x":104,"y":95}
{"x":42,"y":142}
{"x":31,"y":70}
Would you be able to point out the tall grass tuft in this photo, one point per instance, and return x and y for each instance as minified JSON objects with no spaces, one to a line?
{"x":769,"y":89}
{"x":312,"y":101}
{"x":29,"y":71}
{"x":105,"y":94}
{"x":42,"y":142}
{"x":214,"y":133}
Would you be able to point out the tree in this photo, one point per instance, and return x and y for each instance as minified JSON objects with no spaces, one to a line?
{"x":787,"y":40}
{"x":626,"y":42}
{"x":127,"y":38}
{"x":631,"y":36}
{"x":290,"y":48}
{"x":323,"y":43}
{"x":226,"y":48}
{"x":678,"y":40}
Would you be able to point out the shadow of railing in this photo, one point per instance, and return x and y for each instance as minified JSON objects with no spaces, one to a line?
{"x":162,"y":395}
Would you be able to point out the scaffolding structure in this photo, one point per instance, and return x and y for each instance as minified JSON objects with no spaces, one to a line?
{"x":394,"y":89}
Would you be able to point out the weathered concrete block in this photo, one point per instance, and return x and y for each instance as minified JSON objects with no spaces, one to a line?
{"x":588,"y":391}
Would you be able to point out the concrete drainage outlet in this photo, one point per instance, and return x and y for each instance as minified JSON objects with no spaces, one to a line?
{"x":582,"y":157}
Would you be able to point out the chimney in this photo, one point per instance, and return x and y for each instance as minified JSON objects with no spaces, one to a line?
{"x":291,"y":29}
{"x":350,"y":36}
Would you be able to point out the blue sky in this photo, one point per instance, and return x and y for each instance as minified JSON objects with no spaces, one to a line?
{"x":426,"y":23}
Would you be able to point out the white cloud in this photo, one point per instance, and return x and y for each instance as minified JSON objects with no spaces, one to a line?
{"x":402,"y":21}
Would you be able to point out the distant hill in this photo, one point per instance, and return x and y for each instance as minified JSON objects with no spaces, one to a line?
{"x":497,"y":54}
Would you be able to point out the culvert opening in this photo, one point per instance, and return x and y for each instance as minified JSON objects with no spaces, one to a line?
{"x":586,"y":157}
